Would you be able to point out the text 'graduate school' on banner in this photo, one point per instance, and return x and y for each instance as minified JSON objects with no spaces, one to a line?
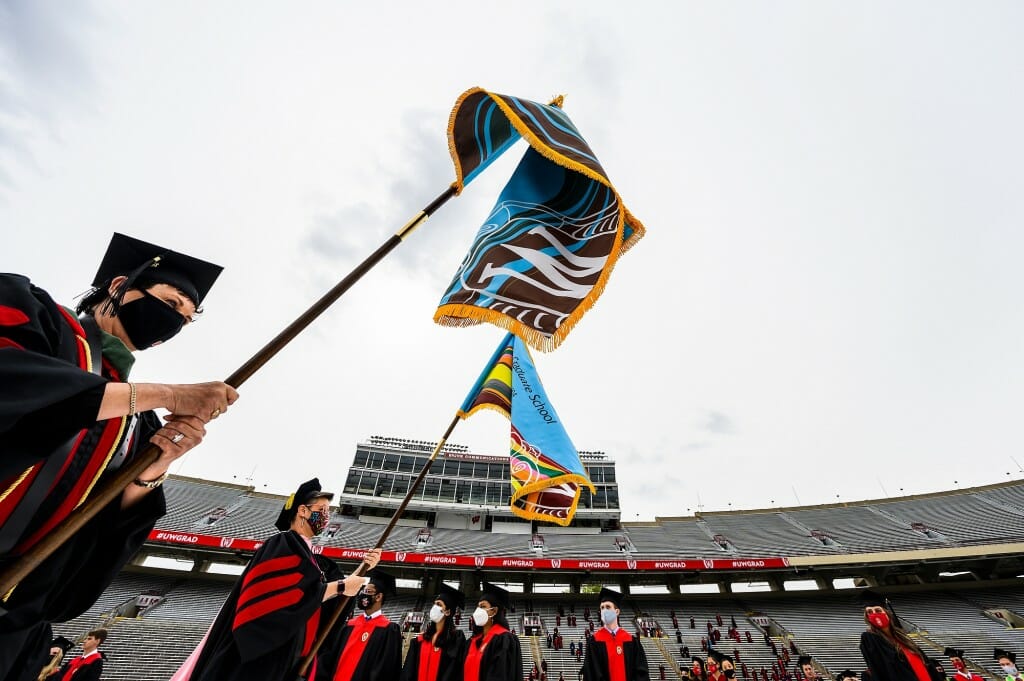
{"x":545,"y":466}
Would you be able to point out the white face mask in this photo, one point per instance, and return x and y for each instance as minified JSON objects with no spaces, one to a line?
{"x":1011,"y":670}
{"x":608,"y":616}
{"x":480,"y":617}
{"x":436,"y":613}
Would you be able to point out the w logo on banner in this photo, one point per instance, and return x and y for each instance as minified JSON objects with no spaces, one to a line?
{"x":544,"y":254}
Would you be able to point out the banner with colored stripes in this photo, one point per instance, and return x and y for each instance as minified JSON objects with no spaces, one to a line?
{"x":545,"y":252}
{"x":545,"y":467}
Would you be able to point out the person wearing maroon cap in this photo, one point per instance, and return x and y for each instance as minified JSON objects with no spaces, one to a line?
{"x":69,"y":417}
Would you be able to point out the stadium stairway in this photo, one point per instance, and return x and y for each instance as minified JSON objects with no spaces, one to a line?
{"x":754,"y":654}
{"x":666,"y":659}
{"x":531,"y":652}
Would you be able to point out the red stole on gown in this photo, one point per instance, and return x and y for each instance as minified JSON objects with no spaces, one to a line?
{"x":355,"y":646}
{"x":471,"y":670}
{"x":430,"y":660}
{"x":77,"y":663}
{"x":613,"y":646}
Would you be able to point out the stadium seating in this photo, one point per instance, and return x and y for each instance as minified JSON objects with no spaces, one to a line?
{"x":825,"y":625}
{"x":967,"y":518}
{"x":828,"y":627}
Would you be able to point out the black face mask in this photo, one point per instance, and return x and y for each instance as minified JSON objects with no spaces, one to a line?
{"x":149,"y":321}
{"x":730,"y":673}
{"x":364,"y":601}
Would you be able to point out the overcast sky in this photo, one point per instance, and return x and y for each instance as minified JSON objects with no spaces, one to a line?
{"x":827,"y":301}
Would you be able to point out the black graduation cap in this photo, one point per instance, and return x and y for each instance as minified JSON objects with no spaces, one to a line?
{"x":803,"y":659}
{"x":307,"y":491}
{"x":719,"y":657}
{"x":384,"y":582}
{"x":846,"y":674}
{"x":953,"y":652}
{"x":698,"y":660}
{"x":146,"y":264}
{"x":64,"y":644}
{"x":452,"y":597}
{"x":999,"y":653}
{"x":495,"y":595}
{"x":870,"y":599}
{"x":610,"y":595}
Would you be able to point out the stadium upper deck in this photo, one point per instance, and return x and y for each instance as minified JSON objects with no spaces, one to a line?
{"x":978,"y":524}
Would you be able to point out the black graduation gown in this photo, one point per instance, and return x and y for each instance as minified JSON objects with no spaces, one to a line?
{"x":52,"y":450}
{"x":453,"y":654}
{"x":501,"y":659}
{"x":887,"y":663}
{"x":381,"y":659}
{"x":327,"y":656}
{"x":86,"y":672}
{"x":270,"y":618}
{"x":595,"y":662}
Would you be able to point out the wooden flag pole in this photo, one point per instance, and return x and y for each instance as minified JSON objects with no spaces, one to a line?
{"x":11,"y":575}
{"x":326,"y":629}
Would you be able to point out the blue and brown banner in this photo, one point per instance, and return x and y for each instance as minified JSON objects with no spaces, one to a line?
{"x":544,"y":254}
{"x":545,"y":467}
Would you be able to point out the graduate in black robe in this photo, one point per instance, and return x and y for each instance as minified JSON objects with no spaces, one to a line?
{"x":327,"y":655}
{"x":89,"y":665}
{"x":370,"y":645}
{"x":613,"y":654}
{"x":438,"y":653}
{"x":493,"y":652}
{"x":890,"y":654}
{"x":270,"y":619}
{"x":68,"y":419}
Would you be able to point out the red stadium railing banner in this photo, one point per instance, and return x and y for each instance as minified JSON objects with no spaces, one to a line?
{"x":453,"y":560}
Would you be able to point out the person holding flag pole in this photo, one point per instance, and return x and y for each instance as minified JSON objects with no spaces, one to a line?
{"x":71,"y":420}
{"x":482,"y":126}
{"x":270,"y":618}
{"x":565,"y":226}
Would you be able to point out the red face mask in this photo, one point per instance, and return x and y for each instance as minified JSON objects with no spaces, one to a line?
{"x":959,"y":665}
{"x":712,"y":667}
{"x":879,"y":619}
